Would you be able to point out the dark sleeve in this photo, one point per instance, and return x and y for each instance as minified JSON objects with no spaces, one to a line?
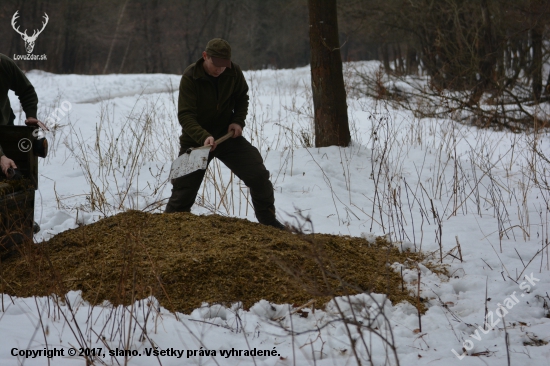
{"x":22,"y":87}
{"x":241,"y":99}
{"x":187,"y":111}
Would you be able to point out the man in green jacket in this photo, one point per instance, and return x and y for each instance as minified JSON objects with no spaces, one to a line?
{"x":213,"y":101}
{"x":12,"y":78}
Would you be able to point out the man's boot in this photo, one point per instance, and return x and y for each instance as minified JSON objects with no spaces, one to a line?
{"x":276,"y":224}
{"x":269,"y":219}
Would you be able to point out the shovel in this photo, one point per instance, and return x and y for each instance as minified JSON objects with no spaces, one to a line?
{"x":194,"y":159}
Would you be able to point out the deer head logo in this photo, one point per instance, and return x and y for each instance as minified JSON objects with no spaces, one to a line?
{"x":29,"y":40}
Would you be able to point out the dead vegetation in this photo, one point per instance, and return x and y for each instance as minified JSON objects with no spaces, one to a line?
{"x":8,"y":186}
{"x":185,"y":260}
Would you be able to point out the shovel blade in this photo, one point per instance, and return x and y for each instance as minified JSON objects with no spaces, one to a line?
{"x":189,"y":162}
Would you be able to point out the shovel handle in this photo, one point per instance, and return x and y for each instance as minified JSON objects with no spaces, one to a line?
{"x":225,"y":137}
{"x":218,"y":141}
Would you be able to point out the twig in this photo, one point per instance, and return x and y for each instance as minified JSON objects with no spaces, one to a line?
{"x":459,"y":249}
{"x":487,"y":264}
{"x":418,"y":304}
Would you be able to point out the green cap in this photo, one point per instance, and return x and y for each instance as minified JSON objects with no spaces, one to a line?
{"x":220,"y":52}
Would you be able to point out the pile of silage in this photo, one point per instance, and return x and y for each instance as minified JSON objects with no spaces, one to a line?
{"x":184,"y":260}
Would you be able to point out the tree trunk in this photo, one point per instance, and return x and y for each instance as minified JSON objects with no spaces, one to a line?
{"x":486,"y":54}
{"x":412,"y":61}
{"x":536,"y":38}
{"x":386,"y":58}
{"x":399,"y":67}
{"x":536,"y":9}
{"x":114,"y":37}
{"x":327,"y":81}
{"x":489,"y":45}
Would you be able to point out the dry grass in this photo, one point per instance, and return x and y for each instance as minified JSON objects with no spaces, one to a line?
{"x":185,"y":260}
{"x":10,"y":186}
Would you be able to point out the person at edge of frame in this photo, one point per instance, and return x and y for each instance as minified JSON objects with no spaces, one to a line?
{"x":12,"y":78}
{"x":213,"y":100}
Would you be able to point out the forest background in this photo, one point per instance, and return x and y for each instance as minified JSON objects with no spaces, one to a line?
{"x":456,"y":41}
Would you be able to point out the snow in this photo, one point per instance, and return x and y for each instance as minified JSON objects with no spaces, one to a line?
{"x":429,"y":185}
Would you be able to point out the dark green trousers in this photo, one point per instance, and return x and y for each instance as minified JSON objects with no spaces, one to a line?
{"x":245,"y":161}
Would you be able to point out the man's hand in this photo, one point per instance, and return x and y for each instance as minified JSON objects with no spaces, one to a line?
{"x":237,"y":131}
{"x":210,"y":142}
{"x":31,"y":121}
{"x":6,"y":163}
{"x":237,"y":128}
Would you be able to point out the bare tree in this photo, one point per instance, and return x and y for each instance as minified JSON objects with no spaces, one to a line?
{"x":114,"y":37}
{"x":327,"y":81}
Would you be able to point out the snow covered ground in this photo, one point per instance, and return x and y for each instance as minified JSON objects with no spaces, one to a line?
{"x":429,"y":185}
